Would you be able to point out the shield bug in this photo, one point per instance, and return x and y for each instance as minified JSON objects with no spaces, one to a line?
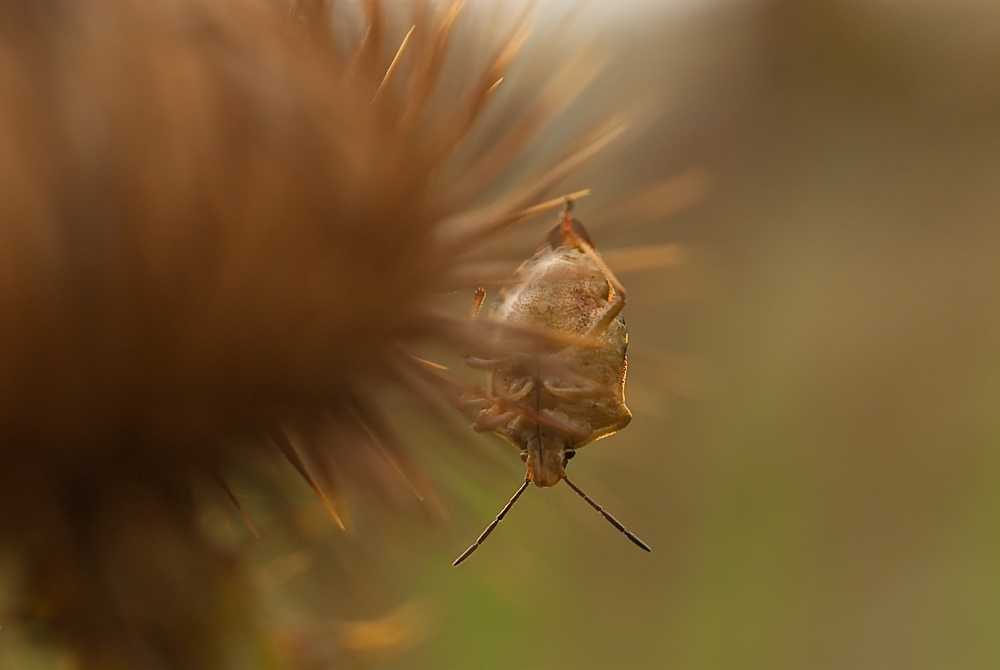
{"x":556,"y":375}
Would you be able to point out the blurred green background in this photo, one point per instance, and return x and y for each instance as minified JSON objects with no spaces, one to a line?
{"x":814,"y":456}
{"x":815,"y":387}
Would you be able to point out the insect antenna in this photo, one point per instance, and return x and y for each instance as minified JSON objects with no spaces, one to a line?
{"x":614,"y":522}
{"x":500,"y":516}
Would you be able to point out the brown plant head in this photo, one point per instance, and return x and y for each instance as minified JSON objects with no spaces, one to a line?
{"x":222,"y":227}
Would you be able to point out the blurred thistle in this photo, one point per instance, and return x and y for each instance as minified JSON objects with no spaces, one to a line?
{"x":223,"y":224}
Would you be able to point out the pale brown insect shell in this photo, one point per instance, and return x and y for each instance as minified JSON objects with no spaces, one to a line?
{"x":562,"y":291}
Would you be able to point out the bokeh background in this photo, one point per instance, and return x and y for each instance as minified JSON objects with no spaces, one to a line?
{"x":814,"y":456}
{"x":814,"y":373}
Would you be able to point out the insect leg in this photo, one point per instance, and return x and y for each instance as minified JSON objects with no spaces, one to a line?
{"x":494,"y":364}
{"x":475,"y":399}
{"x":474,"y":402}
{"x":477,"y":302}
{"x":493,"y":524}
{"x":545,"y":418}
{"x":573,"y":392}
{"x":614,"y":522}
{"x":562,"y":370}
{"x":492,"y":423}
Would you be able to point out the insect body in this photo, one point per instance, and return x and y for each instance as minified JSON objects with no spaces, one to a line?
{"x":566,"y":387}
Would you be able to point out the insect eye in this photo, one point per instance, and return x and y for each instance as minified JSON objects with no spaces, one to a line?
{"x":569,"y":453}
{"x":524,"y":456}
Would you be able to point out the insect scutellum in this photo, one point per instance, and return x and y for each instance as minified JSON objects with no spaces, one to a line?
{"x":567,"y":388}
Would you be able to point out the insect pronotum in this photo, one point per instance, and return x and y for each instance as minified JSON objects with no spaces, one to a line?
{"x":551,"y":393}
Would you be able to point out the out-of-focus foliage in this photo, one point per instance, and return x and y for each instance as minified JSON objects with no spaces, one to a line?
{"x":224,"y":228}
{"x":831,"y":496}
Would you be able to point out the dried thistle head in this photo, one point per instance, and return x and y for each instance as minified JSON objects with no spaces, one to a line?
{"x":222,"y":227}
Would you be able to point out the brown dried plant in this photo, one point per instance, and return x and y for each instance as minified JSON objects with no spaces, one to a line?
{"x":223,"y":224}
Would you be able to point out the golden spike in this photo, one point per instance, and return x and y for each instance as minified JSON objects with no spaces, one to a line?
{"x":395,"y":61}
{"x":553,"y":203}
{"x":460,"y":232}
{"x":645,"y":257}
{"x":220,"y":480}
{"x":428,"y":65}
{"x":280,"y":437}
